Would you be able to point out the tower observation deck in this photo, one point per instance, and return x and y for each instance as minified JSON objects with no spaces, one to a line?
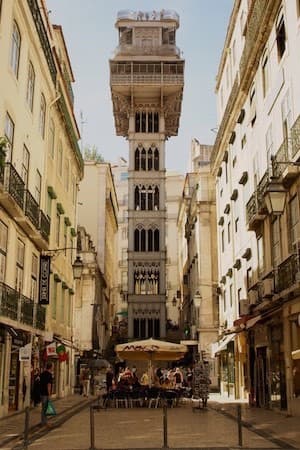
{"x":146,"y":80}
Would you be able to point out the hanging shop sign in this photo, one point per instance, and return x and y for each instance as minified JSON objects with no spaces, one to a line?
{"x":51,"y":349}
{"x":45,"y":261}
{"x":25,"y":352}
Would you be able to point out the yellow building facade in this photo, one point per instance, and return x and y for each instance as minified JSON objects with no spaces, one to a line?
{"x":40,"y":168}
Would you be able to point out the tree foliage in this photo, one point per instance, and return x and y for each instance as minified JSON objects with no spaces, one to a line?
{"x":91,"y":153}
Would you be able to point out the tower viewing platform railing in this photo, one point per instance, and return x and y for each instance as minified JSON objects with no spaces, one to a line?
{"x":150,"y":73}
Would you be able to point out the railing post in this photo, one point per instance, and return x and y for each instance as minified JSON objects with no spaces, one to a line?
{"x":239,"y":422}
{"x":92,"y":428}
{"x":26,"y":429}
{"x":165,"y":425}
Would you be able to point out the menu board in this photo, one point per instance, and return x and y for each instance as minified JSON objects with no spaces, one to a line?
{"x":201,"y":371}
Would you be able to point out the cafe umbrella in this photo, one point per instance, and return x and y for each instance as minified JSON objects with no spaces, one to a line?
{"x":151,"y":350}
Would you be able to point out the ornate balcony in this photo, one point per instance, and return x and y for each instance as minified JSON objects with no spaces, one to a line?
{"x":15,"y":186}
{"x":288,"y":152}
{"x":44,"y":226}
{"x":295,"y":138}
{"x":32,"y":210}
{"x":20,"y":308}
{"x":256,"y":208}
{"x":288,"y":274}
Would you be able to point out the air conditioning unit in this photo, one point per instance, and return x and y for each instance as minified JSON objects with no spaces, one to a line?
{"x":267,"y":287}
{"x":253,"y":296}
{"x":244,"y":306}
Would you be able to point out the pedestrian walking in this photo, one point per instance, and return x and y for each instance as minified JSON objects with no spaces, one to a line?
{"x":36,"y":388}
{"x":46,"y":382}
{"x":86,"y":377}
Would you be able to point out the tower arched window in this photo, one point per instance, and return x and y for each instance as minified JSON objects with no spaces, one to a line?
{"x":150,"y":198}
{"x":137,"y":159}
{"x":136,"y":240}
{"x":143,"y":159}
{"x":156,"y":159}
{"x":156,"y":198}
{"x":150,"y":159}
{"x":136,"y":198}
{"x":143,"y":199}
{"x":143,"y":240}
{"x":156,"y":240}
{"x":156,"y":122}
{"x":137,"y":121}
{"x":143,"y":127}
{"x":150,"y":240}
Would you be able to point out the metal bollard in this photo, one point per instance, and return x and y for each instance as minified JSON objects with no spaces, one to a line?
{"x":26,"y":429}
{"x":239,"y":421}
{"x":165,"y":425}
{"x":92,"y":428}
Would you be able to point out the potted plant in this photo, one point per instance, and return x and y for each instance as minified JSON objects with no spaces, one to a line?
{"x":3,"y":149}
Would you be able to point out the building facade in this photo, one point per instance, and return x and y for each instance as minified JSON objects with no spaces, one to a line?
{"x":100,"y":218}
{"x":256,"y":149}
{"x":39,"y":172}
{"x":146,"y":79}
{"x":198,"y":259}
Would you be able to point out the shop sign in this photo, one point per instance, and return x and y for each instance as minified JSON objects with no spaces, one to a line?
{"x":44,"y":279}
{"x":25,"y":352}
{"x":51,"y":349}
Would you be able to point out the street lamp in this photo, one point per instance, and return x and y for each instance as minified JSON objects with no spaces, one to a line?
{"x":77,"y":268}
{"x":275,"y":194}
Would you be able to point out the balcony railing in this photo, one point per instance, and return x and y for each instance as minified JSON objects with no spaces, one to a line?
{"x":44,"y":226}
{"x":14,"y":184}
{"x":288,"y":149}
{"x":20,"y":308}
{"x":295,"y":137}
{"x":256,"y":204}
{"x":32,"y":210}
{"x":161,"y":50}
{"x":288,"y":273}
{"x":40,"y":317}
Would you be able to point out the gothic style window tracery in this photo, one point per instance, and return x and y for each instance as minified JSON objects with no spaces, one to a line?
{"x":146,"y":240}
{"x":146,"y":159}
{"x":146,"y":198}
{"x":146,"y":122}
{"x":146,"y":280}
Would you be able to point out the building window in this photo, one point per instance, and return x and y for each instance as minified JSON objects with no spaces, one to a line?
{"x":222,"y":241}
{"x":3,"y":250}
{"x":9,"y":134}
{"x":38,"y":186}
{"x":60,"y":158}
{"x":54,"y":297}
{"x":260,"y":254}
{"x":49,"y":205}
{"x":280,"y":37}
{"x":231,"y":295}
{"x":62,"y":305}
{"x":67,"y":174}
{"x":286,"y":116}
{"x":65,"y":244}
{"x":298,"y":8}
{"x":249,"y":278}
{"x":269,"y":145}
{"x":294,"y":220}
{"x":51,"y":138}
{"x":265,"y":74}
{"x":224,"y":301}
{"x":34,"y":276}
{"x":25,"y":165}
{"x":74,"y":190}
{"x":30,"y":86}
{"x":236,"y":224}
{"x":243,"y":141}
{"x":42,"y":116}
{"x":146,"y":280}
{"x":20,"y":265}
{"x":275,"y":241}
{"x":228,"y":232}
{"x":146,"y":122}
{"x":15,"y":49}
{"x":57,"y":239}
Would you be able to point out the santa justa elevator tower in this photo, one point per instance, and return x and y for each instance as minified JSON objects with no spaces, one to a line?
{"x":146,"y":80}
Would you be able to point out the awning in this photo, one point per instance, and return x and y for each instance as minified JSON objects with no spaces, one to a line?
{"x":217,"y":347}
{"x":251,"y":322}
{"x":296,"y":354}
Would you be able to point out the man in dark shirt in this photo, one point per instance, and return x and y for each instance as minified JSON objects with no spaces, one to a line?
{"x":46,"y":382}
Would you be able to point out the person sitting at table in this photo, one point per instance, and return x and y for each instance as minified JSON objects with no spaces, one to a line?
{"x":178,"y":377}
{"x":145,"y":379}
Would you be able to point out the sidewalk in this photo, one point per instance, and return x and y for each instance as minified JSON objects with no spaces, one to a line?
{"x":13,"y":424}
{"x":275,"y":424}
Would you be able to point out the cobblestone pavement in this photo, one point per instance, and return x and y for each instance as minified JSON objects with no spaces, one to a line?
{"x":137,"y":428}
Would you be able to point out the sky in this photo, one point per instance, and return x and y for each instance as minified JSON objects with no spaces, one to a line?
{"x":91,"y":38}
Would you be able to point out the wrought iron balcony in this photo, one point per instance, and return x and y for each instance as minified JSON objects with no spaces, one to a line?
{"x":2,"y":164}
{"x":284,"y":161}
{"x":27,"y":307}
{"x":32,"y":210}
{"x":14,"y":184}
{"x":295,"y":137}
{"x":20,"y":308}
{"x":44,"y":226}
{"x":288,"y":273}
{"x":256,"y":208}
{"x":40,"y":317}
{"x":9,"y":302}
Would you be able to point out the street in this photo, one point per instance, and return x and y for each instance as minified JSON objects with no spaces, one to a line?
{"x":137,"y":428}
